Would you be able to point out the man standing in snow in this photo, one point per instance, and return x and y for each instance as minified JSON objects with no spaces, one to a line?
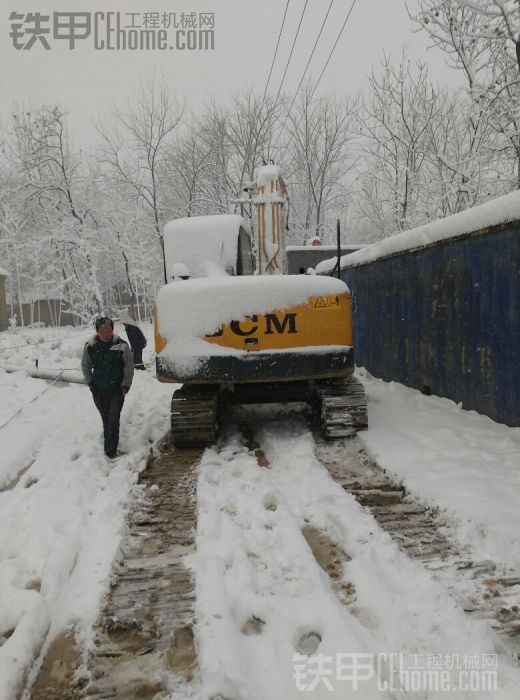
{"x":135,"y":338}
{"x":108,"y":370}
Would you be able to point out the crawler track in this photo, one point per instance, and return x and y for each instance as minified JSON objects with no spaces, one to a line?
{"x":343,"y":407}
{"x":420,"y":531}
{"x":144,"y":639}
{"x":195,"y":416}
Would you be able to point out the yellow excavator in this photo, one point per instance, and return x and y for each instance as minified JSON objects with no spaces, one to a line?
{"x":232,"y":328}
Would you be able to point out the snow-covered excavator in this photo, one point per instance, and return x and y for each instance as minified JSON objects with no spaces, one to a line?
{"x":231,"y":327}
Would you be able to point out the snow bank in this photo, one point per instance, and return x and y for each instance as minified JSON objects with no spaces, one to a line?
{"x":459,"y":460}
{"x":201,"y":238}
{"x":498,"y":211}
{"x":54,"y":348}
{"x":189,"y":310}
{"x":58,"y":348}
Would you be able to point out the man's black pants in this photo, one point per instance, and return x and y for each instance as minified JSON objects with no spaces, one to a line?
{"x":138,"y":358}
{"x":109,"y":406}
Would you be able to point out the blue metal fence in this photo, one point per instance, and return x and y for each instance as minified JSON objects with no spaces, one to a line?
{"x":445,"y":319}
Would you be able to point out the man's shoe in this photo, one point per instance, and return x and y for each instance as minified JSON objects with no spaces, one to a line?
{"x":111,"y":455}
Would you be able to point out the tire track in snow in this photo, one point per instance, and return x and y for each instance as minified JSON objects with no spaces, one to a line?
{"x":484,"y":589}
{"x":420,"y":534}
{"x":14,"y":482}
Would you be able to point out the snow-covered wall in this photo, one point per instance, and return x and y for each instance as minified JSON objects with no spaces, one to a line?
{"x":498,"y":211}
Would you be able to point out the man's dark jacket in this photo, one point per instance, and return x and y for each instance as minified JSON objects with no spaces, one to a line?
{"x":135,"y":336}
{"x":107,"y":366}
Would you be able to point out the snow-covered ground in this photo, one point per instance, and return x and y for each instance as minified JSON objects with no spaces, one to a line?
{"x":253,"y":561}
{"x":63,"y":510}
{"x":61,"y":524}
{"x":459,"y":460}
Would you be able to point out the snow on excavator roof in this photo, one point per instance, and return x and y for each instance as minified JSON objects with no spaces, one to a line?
{"x":196,"y":239}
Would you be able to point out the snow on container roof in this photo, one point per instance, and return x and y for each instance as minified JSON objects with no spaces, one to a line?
{"x":314,"y":248}
{"x":189,"y":310}
{"x":3,"y":273}
{"x":201,"y":238}
{"x":494,"y":213}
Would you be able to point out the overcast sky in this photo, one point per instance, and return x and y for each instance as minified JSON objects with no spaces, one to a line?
{"x":87,"y":82}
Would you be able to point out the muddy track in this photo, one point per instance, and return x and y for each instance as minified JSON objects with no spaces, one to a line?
{"x":423,"y":534}
{"x":144,"y":643}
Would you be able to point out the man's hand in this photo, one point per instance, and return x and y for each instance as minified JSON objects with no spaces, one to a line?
{"x":124,"y":390}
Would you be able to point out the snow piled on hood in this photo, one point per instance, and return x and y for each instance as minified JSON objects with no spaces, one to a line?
{"x":498,"y":211}
{"x":189,"y":310}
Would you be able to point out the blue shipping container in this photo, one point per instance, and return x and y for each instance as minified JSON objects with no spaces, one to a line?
{"x":445,"y":319}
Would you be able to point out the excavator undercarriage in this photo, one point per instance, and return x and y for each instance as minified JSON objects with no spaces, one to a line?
{"x":339,"y":406}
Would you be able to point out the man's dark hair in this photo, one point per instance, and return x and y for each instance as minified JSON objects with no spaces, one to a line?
{"x":104,"y":321}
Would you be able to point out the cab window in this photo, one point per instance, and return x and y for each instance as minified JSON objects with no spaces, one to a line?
{"x":245,"y":255}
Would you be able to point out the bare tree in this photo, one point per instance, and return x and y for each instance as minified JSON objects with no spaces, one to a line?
{"x":54,"y":181}
{"x":237,"y":140}
{"x":136,"y":150}
{"x":15,"y":219}
{"x":482,"y":39}
{"x":187,"y":168}
{"x":319,"y":149}
{"x":396,"y":125}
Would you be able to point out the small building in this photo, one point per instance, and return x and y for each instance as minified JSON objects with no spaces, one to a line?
{"x":4,"y":318}
{"x":49,"y":312}
{"x":301,"y":257}
{"x":39,"y":303}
